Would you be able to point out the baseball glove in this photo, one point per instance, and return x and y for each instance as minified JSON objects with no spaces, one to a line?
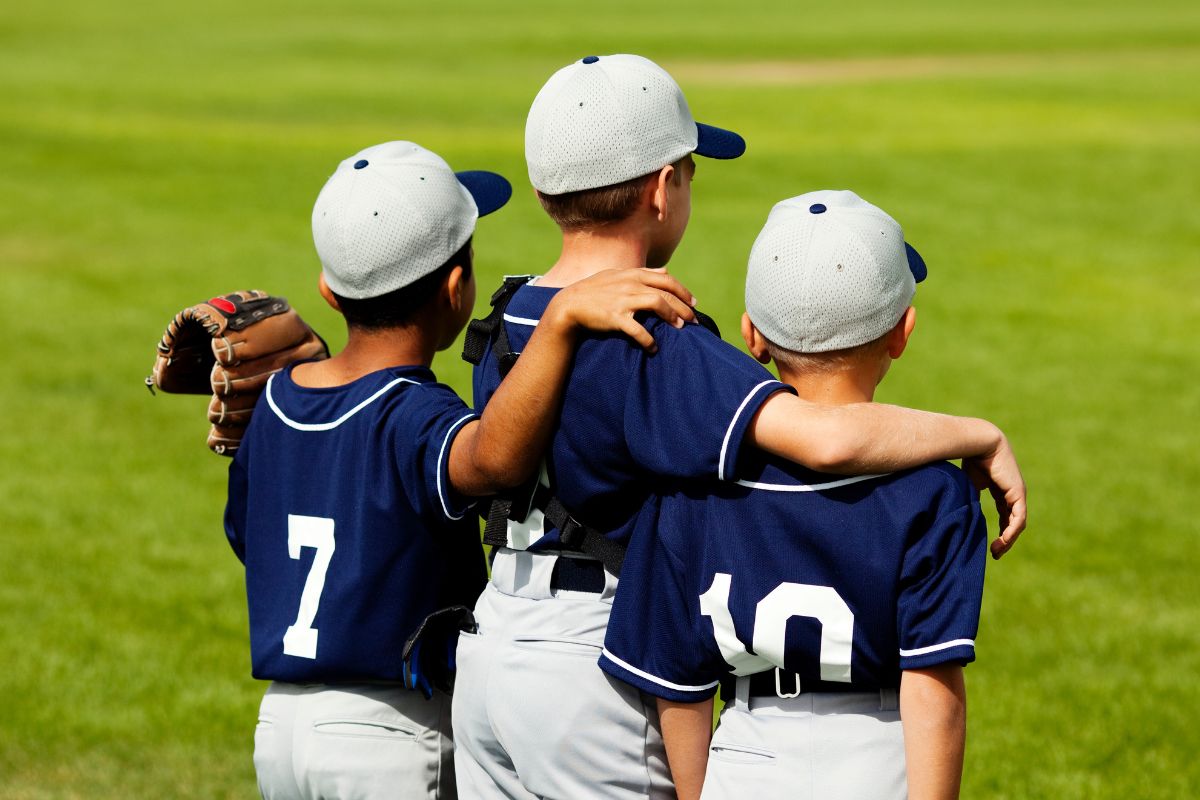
{"x":229,"y":347}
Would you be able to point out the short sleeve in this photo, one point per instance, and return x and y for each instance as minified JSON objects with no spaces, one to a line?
{"x":652,"y":640}
{"x":689,"y":405}
{"x":942,"y":588}
{"x":427,"y":430}
{"x":235,"y":503}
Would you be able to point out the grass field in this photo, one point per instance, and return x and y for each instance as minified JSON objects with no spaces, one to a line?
{"x":1044,"y":158}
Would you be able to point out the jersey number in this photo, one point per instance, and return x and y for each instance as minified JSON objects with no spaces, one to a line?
{"x":300,"y":639}
{"x":771,"y":616}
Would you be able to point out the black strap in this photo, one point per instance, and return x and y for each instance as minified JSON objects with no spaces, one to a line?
{"x":491,"y":331}
{"x":576,"y":535}
{"x":573,"y":534}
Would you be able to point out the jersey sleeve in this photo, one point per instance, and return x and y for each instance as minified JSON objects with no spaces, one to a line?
{"x":235,"y":503}
{"x":652,"y":640}
{"x":423,"y":444}
{"x":689,"y":405}
{"x":942,"y":585}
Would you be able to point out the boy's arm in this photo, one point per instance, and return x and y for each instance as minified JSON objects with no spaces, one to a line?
{"x":933,"y":709}
{"x":686,"y":731}
{"x":505,"y":445}
{"x":873,"y":437}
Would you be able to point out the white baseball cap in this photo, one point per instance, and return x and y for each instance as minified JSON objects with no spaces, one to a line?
{"x":608,"y":119}
{"x":394,"y":213}
{"x":829,"y":271}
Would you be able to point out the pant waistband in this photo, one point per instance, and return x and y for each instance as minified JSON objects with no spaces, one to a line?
{"x":544,"y":575}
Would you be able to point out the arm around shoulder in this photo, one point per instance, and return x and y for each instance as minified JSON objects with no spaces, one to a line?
{"x":861,"y":438}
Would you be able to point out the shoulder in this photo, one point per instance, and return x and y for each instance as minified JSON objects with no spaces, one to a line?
{"x":941,"y":484}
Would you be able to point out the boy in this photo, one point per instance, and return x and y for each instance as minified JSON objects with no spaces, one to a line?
{"x":348,"y":497}
{"x":609,"y":143}
{"x":815,"y":591}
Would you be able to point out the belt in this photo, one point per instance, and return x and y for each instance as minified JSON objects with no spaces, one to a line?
{"x":577,"y":575}
{"x":786,"y":685}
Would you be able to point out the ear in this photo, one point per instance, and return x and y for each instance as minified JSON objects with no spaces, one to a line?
{"x":898,"y":338}
{"x":658,"y":196}
{"x":455,"y":288}
{"x":756,"y":343}
{"x":327,"y":293}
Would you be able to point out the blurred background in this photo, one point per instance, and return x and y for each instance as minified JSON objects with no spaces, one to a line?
{"x":1044,"y":158}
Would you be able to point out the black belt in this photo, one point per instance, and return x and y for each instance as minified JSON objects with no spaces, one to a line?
{"x":577,"y":575}
{"x":783,"y":684}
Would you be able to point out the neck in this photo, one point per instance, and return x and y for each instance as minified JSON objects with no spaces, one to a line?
{"x":369,"y":351}
{"x":851,"y":385}
{"x":584,"y":253}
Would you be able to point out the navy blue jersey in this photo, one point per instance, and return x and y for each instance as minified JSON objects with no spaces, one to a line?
{"x":341,"y":509}
{"x":844,"y":581}
{"x":631,"y":420}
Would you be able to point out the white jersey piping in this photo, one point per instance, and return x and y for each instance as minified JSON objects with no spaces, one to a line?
{"x":327,"y":426}
{"x":809,"y":487}
{"x":654,"y":679}
{"x":933,"y":648}
{"x":733,"y":422}
{"x":441,"y":456}
{"x":520,"y":320}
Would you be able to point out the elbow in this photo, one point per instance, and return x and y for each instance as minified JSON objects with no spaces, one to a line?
{"x":498,"y":474}
{"x":833,"y":455}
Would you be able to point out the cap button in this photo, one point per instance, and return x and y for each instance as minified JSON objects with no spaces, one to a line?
{"x":362,"y":162}
{"x":591,"y":59}
{"x":817,"y":208}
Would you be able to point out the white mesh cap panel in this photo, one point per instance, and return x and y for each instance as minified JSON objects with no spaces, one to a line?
{"x":604,"y":121}
{"x":827,"y":280}
{"x":380,"y":225}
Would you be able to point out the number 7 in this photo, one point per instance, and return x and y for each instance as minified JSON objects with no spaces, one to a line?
{"x":300,"y":640}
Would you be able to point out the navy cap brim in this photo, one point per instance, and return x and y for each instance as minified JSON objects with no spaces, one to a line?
{"x":916,"y":264}
{"x":489,"y":190}
{"x":714,"y":142}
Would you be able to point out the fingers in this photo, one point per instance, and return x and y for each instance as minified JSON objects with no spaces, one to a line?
{"x":669,"y":307}
{"x":634,"y":330}
{"x":1013,"y":518}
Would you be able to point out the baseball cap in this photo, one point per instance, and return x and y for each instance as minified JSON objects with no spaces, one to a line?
{"x":607,"y":119}
{"x":394,"y":213}
{"x":829,"y":271}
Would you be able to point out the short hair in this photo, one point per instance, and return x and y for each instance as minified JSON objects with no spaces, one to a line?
{"x":592,"y":208}
{"x":829,"y":361}
{"x":396,"y":308}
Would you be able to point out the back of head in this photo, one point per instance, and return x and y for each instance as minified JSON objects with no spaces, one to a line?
{"x":829,"y":272}
{"x":393,"y":214}
{"x":606,"y":121}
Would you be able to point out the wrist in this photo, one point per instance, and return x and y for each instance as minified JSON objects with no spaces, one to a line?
{"x":990,"y":438}
{"x":558,"y":318}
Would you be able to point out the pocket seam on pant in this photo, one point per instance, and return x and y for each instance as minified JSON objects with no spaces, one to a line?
{"x":372,"y":729}
{"x":740,"y":754}
{"x":542,"y":643}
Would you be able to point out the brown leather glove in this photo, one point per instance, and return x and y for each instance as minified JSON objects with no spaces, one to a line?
{"x":230,"y":346}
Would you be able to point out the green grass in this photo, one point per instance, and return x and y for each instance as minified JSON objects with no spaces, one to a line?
{"x":1044,"y":160}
